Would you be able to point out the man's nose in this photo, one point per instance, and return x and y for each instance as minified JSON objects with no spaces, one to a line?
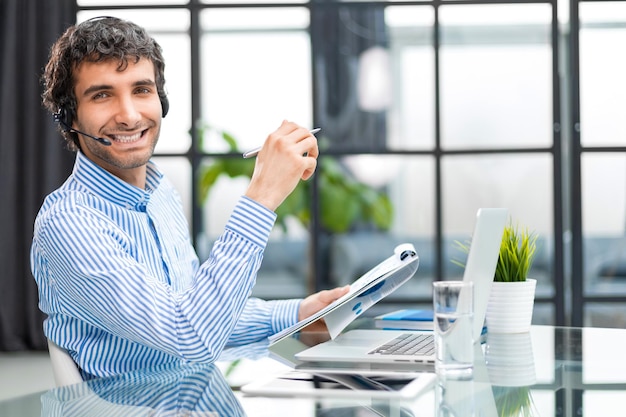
{"x":128,"y":112}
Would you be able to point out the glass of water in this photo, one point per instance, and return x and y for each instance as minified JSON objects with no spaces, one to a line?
{"x":453,"y":304}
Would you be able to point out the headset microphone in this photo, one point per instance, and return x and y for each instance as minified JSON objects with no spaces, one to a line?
{"x":62,"y":118}
{"x":103,"y":141}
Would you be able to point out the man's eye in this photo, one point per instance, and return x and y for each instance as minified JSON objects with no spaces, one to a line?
{"x":143,"y":90}
{"x":100,"y":95}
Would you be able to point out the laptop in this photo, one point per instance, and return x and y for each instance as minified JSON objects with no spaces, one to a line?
{"x":373,"y":345}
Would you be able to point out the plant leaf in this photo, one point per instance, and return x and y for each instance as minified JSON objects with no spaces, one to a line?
{"x":381,"y":212}
{"x":338,"y":209}
{"x":231,"y":141}
{"x":208,"y":177}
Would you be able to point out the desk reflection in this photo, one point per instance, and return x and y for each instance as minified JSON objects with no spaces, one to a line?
{"x":550,"y":371}
{"x":174,"y":390}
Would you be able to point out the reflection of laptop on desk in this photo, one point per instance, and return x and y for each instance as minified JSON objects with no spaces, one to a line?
{"x":362,"y":345}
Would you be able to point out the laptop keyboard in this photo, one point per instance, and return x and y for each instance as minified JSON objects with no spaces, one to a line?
{"x":407,"y":344}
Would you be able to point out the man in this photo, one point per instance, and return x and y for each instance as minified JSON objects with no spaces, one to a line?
{"x":117,"y":275}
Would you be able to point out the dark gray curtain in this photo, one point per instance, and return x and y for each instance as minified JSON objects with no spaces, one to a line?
{"x":33,"y":159}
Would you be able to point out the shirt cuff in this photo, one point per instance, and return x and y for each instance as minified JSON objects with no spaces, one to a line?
{"x":252,"y":220}
{"x":285,"y":314}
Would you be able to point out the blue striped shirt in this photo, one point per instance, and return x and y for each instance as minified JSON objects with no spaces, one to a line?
{"x":122,"y":286}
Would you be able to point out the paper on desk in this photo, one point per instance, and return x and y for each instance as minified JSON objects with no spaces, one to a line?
{"x":366,"y":291}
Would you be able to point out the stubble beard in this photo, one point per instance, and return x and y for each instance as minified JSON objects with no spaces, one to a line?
{"x":132,"y":160}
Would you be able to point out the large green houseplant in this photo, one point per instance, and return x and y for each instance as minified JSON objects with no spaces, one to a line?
{"x":345,"y":203}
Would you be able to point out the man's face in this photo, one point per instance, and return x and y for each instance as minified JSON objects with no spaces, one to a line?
{"x":121,"y":106}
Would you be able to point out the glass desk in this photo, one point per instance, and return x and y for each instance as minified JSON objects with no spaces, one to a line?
{"x":552,"y":371}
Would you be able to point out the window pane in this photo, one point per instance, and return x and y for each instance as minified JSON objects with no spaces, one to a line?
{"x":375,"y":77}
{"x":544,"y":312}
{"x":411,"y":115}
{"x":175,"y":136}
{"x":602,"y":83}
{"x":604,"y":234}
{"x":252,"y":1}
{"x":498,"y":14}
{"x":221,"y":200}
{"x":169,"y":28}
{"x":105,"y":3}
{"x":234,"y":20}
{"x":284,"y":273}
{"x":611,"y":315}
{"x":252,"y":80}
{"x":496,"y":79}
{"x":178,"y":171}
{"x":408,"y":182}
{"x":153,"y":20}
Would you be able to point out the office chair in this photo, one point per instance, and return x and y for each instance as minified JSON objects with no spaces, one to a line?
{"x":64,"y":368}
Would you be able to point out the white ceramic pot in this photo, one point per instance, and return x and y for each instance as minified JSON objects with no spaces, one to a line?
{"x":510,"y":306}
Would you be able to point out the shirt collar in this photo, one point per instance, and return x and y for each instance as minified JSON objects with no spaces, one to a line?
{"x":102,"y":183}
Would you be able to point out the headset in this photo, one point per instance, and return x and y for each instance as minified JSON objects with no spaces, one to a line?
{"x":64,"y":118}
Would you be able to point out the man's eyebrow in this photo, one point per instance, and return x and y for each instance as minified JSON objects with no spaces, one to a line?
{"x":147,"y":81}
{"x":103,"y":87}
{"x":94,"y":88}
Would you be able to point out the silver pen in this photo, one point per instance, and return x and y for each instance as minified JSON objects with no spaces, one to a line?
{"x":254,"y":152}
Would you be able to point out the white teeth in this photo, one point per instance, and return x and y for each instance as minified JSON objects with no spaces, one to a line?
{"x":127,"y":138}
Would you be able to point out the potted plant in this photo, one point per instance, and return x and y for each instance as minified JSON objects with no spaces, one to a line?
{"x":512,"y":295}
{"x":511,"y":300}
{"x":345,"y":203}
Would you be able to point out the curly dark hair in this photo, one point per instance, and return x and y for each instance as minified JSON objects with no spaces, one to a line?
{"x":95,"y":40}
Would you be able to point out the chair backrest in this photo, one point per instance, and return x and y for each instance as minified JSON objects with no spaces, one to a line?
{"x":63,"y":366}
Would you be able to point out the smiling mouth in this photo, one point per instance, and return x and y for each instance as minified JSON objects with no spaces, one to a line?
{"x":127,"y":138}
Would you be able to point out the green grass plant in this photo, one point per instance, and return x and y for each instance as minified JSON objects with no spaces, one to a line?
{"x":517,"y":252}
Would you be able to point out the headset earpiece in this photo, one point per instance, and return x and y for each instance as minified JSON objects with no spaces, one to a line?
{"x":63,"y":119}
{"x":165,"y":104}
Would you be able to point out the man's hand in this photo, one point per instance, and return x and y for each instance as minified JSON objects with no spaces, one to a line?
{"x":280,"y":164}
{"x":315,"y":302}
